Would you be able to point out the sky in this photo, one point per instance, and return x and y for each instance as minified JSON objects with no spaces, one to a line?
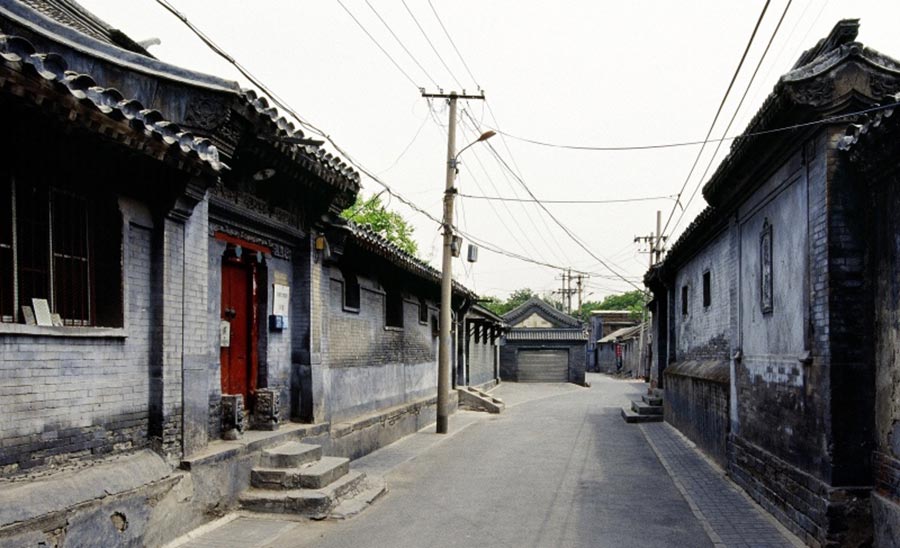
{"x":584,"y":73}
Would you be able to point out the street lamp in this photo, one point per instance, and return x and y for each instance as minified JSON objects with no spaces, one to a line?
{"x":443,"y":398}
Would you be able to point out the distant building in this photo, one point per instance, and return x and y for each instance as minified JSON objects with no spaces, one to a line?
{"x":600,"y":324}
{"x":542,"y":345}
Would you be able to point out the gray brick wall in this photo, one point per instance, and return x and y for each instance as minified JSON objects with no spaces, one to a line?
{"x":481,"y":359}
{"x":66,"y":398}
{"x":703,"y":332}
{"x":369,"y":366}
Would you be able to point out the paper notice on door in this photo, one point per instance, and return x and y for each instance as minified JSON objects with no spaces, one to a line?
{"x":281,"y":295}
{"x":224,"y":333}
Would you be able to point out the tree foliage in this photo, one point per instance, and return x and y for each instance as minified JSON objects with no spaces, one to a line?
{"x":388,"y":224}
{"x":633,"y":301}
{"x":501,"y":307}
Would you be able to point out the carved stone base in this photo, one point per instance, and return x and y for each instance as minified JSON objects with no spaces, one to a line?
{"x":232,"y":416}
{"x":265,"y":410}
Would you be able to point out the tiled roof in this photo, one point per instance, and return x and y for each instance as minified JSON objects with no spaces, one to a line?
{"x":879,"y":123}
{"x":546,"y":334}
{"x":18,"y":55}
{"x":73,"y":15}
{"x":67,"y":23}
{"x":622,"y":334}
{"x":329,"y":167}
{"x":536,"y":304}
{"x":375,"y":243}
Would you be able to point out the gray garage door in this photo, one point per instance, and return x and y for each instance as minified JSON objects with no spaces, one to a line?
{"x":543,"y":365}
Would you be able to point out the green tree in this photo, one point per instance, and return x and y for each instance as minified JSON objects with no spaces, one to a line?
{"x":389,"y":224}
{"x":633,"y":301}
{"x":501,"y":307}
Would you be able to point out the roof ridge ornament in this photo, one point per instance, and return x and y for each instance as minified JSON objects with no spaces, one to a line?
{"x":844,"y":32}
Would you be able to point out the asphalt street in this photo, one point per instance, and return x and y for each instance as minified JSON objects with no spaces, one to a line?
{"x":558,"y":468}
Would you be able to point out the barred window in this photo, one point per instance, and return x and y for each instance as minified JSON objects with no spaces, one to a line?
{"x":423,"y":311}
{"x":351,"y":290}
{"x":393,"y":310}
{"x":59,"y":246}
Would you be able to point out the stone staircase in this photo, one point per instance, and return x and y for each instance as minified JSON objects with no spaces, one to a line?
{"x":648,"y":409}
{"x":295,"y":478}
{"x":479,"y":400}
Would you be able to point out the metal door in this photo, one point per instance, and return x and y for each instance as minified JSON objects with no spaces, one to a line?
{"x":543,"y":366}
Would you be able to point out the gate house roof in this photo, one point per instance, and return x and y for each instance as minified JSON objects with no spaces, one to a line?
{"x":538,"y":306}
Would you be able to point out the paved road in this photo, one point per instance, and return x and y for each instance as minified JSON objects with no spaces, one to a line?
{"x":559,"y":468}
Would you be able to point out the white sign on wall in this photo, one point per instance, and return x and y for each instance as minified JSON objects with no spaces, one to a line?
{"x":281,"y":295}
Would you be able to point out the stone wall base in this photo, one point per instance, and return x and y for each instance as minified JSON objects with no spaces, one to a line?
{"x":696,"y":403}
{"x":821,"y":515}
{"x":141,"y":500}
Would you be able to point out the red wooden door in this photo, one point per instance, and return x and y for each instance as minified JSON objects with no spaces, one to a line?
{"x":238,"y":308}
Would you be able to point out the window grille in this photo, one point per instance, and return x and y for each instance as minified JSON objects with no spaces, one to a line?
{"x":50,"y":250}
{"x":351,"y":290}
{"x":423,"y":311}
{"x":684,"y":300}
{"x":393,"y":310}
{"x":707,"y":289}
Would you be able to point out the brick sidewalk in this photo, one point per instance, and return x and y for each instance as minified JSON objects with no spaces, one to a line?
{"x":729,"y":516}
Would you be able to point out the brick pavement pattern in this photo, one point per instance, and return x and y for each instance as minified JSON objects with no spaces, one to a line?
{"x":730,"y":517}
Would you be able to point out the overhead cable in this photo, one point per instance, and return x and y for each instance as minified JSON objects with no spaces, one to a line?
{"x":452,"y":43}
{"x":733,"y":116}
{"x":384,"y":51}
{"x":430,"y":43}
{"x":402,"y":45}
{"x":532,"y":200}
{"x":718,"y":112}
{"x":362,"y":169}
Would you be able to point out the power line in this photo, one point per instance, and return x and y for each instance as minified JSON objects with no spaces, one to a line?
{"x":515,"y":218}
{"x":452,"y":43}
{"x":558,"y":222}
{"x":556,"y":250}
{"x":734,"y":116}
{"x":434,"y":49}
{"x":362,"y":169}
{"x":408,"y":146}
{"x":402,"y":45}
{"x":531,"y":200}
{"x":718,"y":112}
{"x":384,"y":51}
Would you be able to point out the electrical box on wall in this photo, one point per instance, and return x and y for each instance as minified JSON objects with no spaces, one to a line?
{"x":277,"y":322}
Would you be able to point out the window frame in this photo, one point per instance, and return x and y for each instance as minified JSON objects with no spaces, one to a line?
{"x":393,"y":308}
{"x":707,"y":288}
{"x":423,"y":311}
{"x":69,"y":276}
{"x":350,"y":282}
{"x":684,"y":300}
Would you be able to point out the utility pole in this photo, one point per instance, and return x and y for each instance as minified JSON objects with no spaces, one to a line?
{"x":566,"y":290}
{"x":580,"y":288}
{"x":656,"y":241}
{"x":444,"y":343}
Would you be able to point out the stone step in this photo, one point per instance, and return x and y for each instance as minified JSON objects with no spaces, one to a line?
{"x":369,"y":491}
{"x":476,"y":400}
{"x":632,"y":417}
{"x":652,"y":400}
{"x":314,"y":503}
{"x":642,"y":408}
{"x":311,"y":476}
{"x":290,"y":455}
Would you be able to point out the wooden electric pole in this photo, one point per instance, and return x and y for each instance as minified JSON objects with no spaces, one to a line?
{"x":444,"y":344}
